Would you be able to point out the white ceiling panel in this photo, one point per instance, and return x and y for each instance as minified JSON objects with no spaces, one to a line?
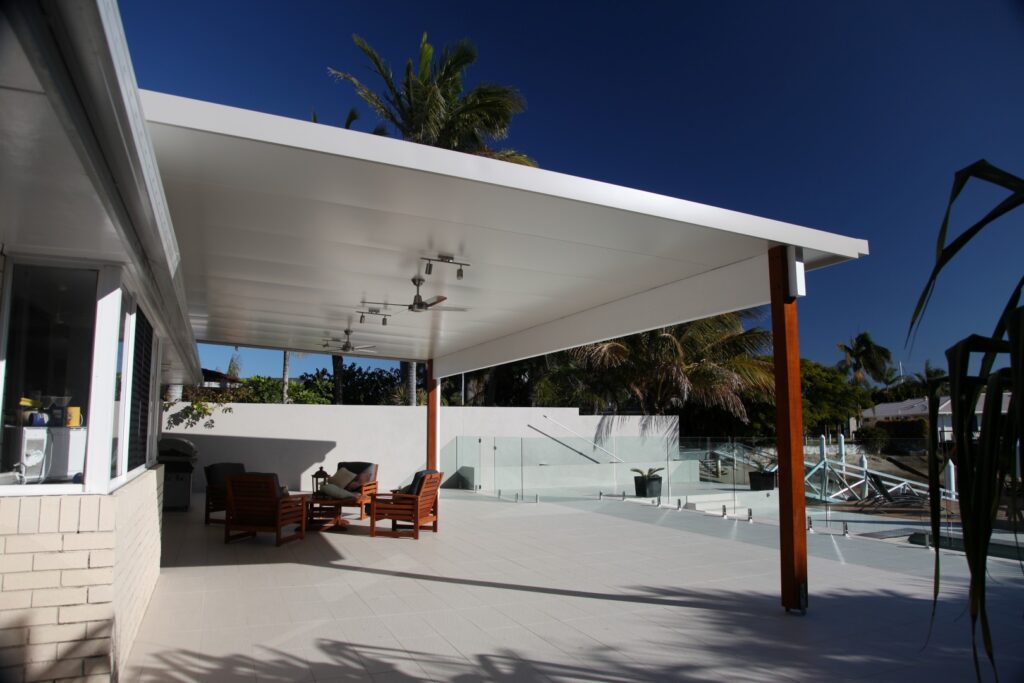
{"x":286,"y":228}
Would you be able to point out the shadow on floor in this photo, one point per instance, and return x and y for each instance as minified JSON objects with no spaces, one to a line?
{"x":707,"y":636}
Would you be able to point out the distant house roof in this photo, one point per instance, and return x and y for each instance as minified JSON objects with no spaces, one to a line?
{"x":918,"y":407}
{"x":217,"y":376}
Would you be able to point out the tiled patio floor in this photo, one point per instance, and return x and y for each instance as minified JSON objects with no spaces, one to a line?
{"x":560,"y":591}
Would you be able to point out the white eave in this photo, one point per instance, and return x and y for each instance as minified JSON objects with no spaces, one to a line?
{"x":78,"y":166}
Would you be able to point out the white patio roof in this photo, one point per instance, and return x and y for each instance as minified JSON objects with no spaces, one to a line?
{"x":286,"y":227}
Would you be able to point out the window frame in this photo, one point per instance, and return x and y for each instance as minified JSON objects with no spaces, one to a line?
{"x":111,"y":291}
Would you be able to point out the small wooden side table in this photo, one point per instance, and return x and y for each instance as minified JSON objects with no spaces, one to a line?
{"x":324,"y":514}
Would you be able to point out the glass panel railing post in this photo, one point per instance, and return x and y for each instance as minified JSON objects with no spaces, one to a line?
{"x":668,"y":473}
{"x":522,"y":470}
{"x":842,"y":455}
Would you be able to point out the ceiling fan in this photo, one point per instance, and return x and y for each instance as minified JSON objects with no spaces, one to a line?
{"x":419,"y":304}
{"x":347,"y":346}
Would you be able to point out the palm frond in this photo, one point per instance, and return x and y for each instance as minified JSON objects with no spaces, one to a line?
{"x":981,"y":170}
{"x":509,"y":155}
{"x":372,"y":99}
{"x":353,"y":114}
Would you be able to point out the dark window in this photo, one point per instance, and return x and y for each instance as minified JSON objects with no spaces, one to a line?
{"x":142,"y":366}
{"x":49,"y":369}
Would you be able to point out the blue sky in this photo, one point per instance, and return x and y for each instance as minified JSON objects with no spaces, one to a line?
{"x":850,"y":117}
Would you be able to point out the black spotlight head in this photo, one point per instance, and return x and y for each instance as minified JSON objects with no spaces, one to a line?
{"x":458,"y":273}
{"x":362,"y":318}
{"x":384,"y":321}
{"x":430,"y":268}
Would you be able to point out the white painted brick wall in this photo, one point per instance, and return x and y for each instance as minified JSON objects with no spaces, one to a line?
{"x":76,"y":575}
{"x":136,"y":557}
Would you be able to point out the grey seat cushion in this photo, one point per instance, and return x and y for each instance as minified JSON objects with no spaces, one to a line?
{"x":417,"y":482}
{"x":336,"y":492}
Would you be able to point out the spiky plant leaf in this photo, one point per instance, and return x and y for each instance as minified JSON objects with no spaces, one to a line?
{"x":985,"y":462}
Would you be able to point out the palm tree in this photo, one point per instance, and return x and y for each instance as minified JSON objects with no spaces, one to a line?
{"x":408,"y":373}
{"x":863,"y":358}
{"x":930,"y":372}
{"x":428,"y":104}
{"x":284,"y":378}
{"x":337,"y":379}
{"x":711,"y":363}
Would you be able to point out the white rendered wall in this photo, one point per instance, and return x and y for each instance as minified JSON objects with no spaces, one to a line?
{"x":295,"y":440}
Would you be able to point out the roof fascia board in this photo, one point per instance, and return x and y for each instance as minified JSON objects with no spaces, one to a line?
{"x":734,"y":287}
{"x":187,"y":113}
{"x":80,"y":55}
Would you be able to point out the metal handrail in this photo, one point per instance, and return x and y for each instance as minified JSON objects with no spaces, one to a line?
{"x":891,"y":482}
{"x":550,"y":419}
{"x":848,"y":477}
{"x":561,"y":443}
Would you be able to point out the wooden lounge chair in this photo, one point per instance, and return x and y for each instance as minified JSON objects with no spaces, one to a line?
{"x":408,"y":511}
{"x":256,"y":503}
{"x":217,"y":487}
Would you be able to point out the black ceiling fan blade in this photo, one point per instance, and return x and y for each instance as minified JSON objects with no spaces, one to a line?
{"x":450,"y":309}
{"x":435,"y":300}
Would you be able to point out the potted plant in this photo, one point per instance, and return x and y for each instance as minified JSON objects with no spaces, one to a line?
{"x":648,"y":484}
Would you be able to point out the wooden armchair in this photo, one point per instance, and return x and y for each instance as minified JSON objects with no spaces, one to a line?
{"x":414,"y":511}
{"x":217,"y":487}
{"x":363,"y":487}
{"x":255,"y":503}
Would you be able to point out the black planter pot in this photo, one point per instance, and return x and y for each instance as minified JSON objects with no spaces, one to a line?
{"x":762,"y":481}
{"x":647,"y":488}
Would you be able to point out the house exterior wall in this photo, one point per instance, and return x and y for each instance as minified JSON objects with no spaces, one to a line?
{"x":137,"y":511}
{"x":77,"y":573}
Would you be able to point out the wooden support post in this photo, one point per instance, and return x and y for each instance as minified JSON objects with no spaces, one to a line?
{"x":790,"y":429}
{"x":433,"y":416}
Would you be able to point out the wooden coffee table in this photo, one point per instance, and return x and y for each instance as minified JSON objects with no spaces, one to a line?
{"x":324,"y":514}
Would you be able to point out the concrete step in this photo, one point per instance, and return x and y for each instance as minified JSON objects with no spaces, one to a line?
{"x":999,"y":546}
{"x":732,"y":512}
{"x":713,"y":502}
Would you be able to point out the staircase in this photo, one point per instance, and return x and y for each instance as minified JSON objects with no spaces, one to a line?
{"x":735,"y":504}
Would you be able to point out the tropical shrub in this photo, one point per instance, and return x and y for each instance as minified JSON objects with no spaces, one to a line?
{"x":916,"y":428}
{"x":985,"y":461}
{"x":873,"y":439}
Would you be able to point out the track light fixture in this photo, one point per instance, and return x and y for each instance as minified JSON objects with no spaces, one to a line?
{"x":373,"y":310}
{"x":384,"y":321}
{"x":444,"y":258}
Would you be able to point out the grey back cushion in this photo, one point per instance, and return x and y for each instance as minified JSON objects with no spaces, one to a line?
{"x":281,"y":490}
{"x":364,"y":471}
{"x":218,"y":473}
{"x":417,"y":481}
